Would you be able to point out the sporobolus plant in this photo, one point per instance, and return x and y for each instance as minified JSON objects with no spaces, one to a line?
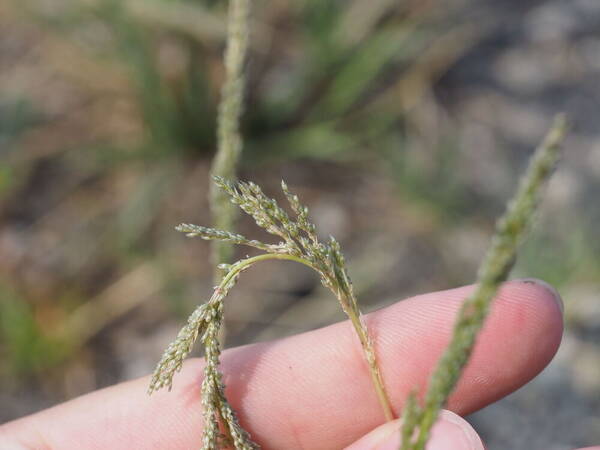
{"x":298,"y":242}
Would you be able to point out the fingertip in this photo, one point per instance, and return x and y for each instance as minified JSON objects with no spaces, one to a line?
{"x":536,"y":309}
{"x":519,"y":339}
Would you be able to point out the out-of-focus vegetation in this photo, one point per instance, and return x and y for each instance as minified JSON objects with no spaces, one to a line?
{"x":418,"y":112}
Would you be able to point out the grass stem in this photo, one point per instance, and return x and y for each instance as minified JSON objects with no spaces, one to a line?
{"x":228,"y":134}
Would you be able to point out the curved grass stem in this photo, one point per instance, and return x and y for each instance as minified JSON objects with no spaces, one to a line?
{"x":359,"y":326}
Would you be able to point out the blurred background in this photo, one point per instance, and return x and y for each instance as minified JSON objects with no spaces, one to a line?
{"x":404,"y":126}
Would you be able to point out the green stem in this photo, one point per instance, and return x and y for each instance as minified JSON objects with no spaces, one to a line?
{"x":370,"y":356}
{"x":245,"y":263}
{"x":228,"y":133}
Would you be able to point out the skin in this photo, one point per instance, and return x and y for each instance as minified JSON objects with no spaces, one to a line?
{"x":312,"y":390}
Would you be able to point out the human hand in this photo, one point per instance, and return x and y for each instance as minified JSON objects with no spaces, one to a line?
{"x":313,"y":390}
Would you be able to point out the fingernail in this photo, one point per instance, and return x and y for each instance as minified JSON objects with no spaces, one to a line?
{"x":548,"y":287}
{"x":451,"y":432}
{"x":387,"y":436}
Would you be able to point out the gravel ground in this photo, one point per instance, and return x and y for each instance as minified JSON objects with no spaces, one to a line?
{"x":532,"y":59}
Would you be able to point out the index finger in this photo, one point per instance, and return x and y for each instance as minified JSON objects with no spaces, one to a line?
{"x":313,"y":390}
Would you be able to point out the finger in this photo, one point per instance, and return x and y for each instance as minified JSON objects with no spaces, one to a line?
{"x":450,"y":432}
{"x":313,"y":390}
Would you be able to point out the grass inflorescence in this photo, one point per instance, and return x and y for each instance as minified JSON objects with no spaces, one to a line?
{"x":298,"y":241}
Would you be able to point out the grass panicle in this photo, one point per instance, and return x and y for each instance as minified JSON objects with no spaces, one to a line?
{"x":494,"y":270}
{"x":299,"y":243}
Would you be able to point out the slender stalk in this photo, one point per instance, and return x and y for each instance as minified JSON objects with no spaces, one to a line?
{"x":371,"y":357}
{"x":229,"y":136}
{"x":244,"y":264}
